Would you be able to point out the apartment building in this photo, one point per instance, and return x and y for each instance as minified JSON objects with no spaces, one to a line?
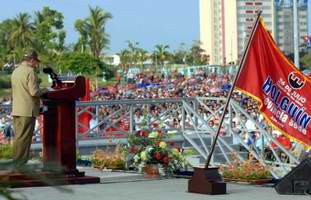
{"x":218,"y":31}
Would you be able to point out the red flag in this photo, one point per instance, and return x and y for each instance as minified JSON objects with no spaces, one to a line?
{"x":281,"y":89}
{"x":85,"y":117}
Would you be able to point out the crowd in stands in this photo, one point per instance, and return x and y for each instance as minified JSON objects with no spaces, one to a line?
{"x":176,"y":85}
{"x":146,"y":86}
{"x":6,"y":128}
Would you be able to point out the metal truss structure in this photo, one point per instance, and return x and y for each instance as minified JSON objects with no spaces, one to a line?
{"x":193,"y":122}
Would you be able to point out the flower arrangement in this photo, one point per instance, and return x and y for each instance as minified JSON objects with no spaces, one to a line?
{"x":151,"y":148}
{"x":108,"y":160}
{"x":248,"y":170}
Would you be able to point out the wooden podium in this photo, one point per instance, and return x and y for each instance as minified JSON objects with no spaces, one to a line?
{"x":59,"y":138}
{"x":59,"y":135}
{"x":59,"y":130}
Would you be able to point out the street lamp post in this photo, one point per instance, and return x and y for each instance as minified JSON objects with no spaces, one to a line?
{"x":295,"y":20}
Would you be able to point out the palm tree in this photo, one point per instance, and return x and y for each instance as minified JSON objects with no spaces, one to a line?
{"x":134,"y":52}
{"x":161,"y":54}
{"x":142,"y":56}
{"x":61,"y":41}
{"x":39,"y":18}
{"x":179,"y":56}
{"x":22,"y":35}
{"x":49,"y":36}
{"x":49,"y":33}
{"x":5,"y":34}
{"x":81,"y":27}
{"x":125,"y":59}
{"x":197,"y":55}
{"x":95,"y":24}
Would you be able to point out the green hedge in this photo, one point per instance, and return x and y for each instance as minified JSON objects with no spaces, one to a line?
{"x":5,"y":151}
{"x":5,"y":82}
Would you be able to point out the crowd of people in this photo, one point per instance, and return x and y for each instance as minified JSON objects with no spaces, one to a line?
{"x":6,"y":128}
{"x":175,"y":85}
{"x":146,"y":86}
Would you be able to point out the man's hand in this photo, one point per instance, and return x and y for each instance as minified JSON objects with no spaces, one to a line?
{"x":44,"y":95}
{"x":44,"y":92}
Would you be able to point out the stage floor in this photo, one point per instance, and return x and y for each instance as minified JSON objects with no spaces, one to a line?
{"x":120,"y":185}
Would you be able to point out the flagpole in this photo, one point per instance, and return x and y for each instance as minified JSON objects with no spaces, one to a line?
{"x":296,"y":40}
{"x":231,"y":90}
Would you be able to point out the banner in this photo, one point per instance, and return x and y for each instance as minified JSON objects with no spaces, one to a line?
{"x":283,"y":92}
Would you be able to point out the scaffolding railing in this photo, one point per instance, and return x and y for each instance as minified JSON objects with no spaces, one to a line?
{"x":194,"y":122}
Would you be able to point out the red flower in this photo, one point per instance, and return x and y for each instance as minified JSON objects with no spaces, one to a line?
{"x":165,"y":160}
{"x":157,"y":155}
{"x":137,"y":133}
{"x":133,"y":149}
{"x":155,"y":125}
{"x":157,"y":143}
{"x":142,"y":133}
{"x":160,"y":134}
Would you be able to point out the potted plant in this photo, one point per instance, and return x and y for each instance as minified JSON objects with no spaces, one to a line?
{"x":108,"y":159}
{"x":248,"y":171}
{"x":149,"y":152}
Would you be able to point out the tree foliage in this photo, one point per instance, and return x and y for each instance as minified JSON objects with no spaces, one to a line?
{"x":5,"y":33}
{"x":92,"y":31}
{"x":49,"y":34}
{"x":160,"y":54}
{"x":48,"y":29}
{"x":82,"y":63}
{"x":125,"y":58}
{"x":133,"y":55}
{"x":21,"y":36}
{"x":42,"y":32}
{"x":197,"y":55}
{"x":133,"y":48}
{"x":179,"y":56}
{"x":81,"y":45}
{"x":306,"y":61}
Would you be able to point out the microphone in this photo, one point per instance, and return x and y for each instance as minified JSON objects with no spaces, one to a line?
{"x":48,"y":70}
{"x":54,"y":77}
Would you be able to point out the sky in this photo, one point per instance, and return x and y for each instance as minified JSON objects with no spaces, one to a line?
{"x":149,"y":22}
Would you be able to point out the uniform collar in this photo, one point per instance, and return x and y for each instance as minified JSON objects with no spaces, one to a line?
{"x":25,"y":64}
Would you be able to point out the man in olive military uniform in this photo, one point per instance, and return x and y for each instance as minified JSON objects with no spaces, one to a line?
{"x":26,"y":95}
